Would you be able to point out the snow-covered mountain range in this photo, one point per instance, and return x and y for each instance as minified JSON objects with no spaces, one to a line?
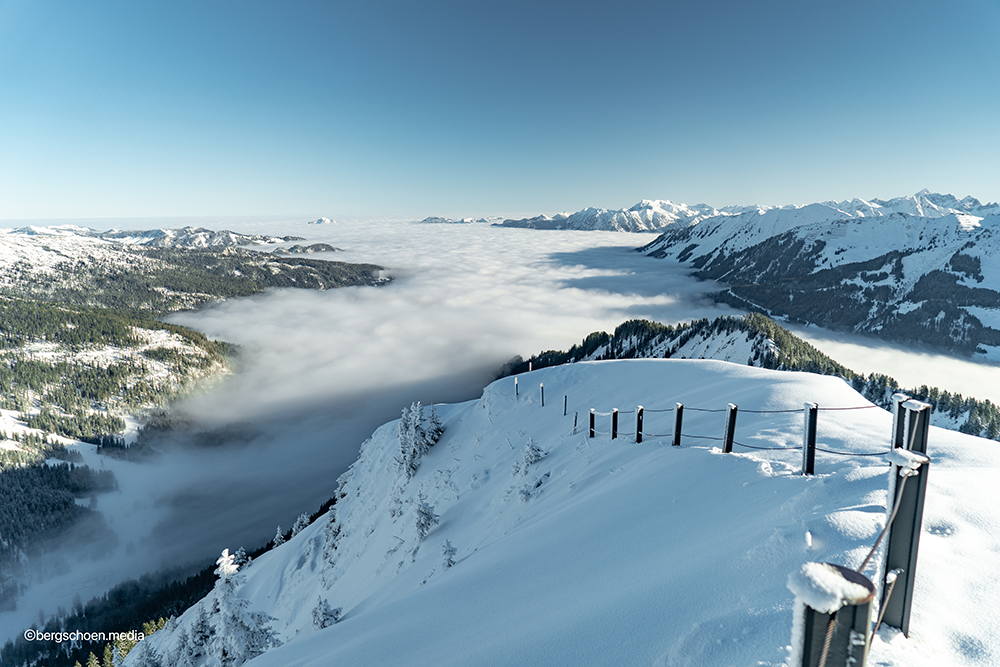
{"x":932,"y":279}
{"x":185,"y":237}
{"x":658,"y":215}
{"x":519,"y":540}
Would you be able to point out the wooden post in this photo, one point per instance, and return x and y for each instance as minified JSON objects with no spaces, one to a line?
{"x":838,"y":637}
{"x":592,"y":422}
{"x":515,"y":387}
{"x":730,"y":432}
{"x":614,"y":423}
{"x":541,"y":389}
{"x":904,"y":534}
{"x":576,"y":415}
{"x":809,"y":439}
{"x":529,"y":367}
{"x":565,"y":399}
{"x":638,"y":424}
{"x":678,"y":420}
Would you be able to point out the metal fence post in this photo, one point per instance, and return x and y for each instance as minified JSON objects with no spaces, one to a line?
{"x":897,"y":419}
{"x":809,"y":439}
{"x":837,"y":637}
{"x":904,"y":534}
{"x":614,"y":423}
{"x":678,"y":421}
{"x":730,"y":432}
{"x":638,"y":424}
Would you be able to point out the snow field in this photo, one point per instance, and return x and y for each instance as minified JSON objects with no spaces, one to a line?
{"x":612,"y":552}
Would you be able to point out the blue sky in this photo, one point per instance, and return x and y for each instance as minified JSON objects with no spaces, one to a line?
{"x":409,"y":108}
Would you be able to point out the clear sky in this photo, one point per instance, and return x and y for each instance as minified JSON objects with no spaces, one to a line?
{"x":464,"y":108}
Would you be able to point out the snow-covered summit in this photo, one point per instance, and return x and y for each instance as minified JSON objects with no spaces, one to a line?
{"x":520,"y":540}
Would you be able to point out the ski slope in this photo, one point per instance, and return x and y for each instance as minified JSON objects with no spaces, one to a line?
{"x":611,"y":552}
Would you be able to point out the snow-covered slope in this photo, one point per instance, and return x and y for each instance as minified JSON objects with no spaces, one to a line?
{"x":552,"y":548}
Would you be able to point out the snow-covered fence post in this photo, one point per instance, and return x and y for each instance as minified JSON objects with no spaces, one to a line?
{"x":592,"y":416}
{"x":576,"y":415}
{"x":565,"y":401}
{"x":809,"y":439}
{"x":614,"y":423}
{"x":515,"y":387}
{"x":530,"y":367}
{"x":638,"y":424}
{"x":541,"y":391}
{"x":730,"y":432}
{"x":678,"y":421}
{"x":898,"y":412}
{"x":832,"y":622}
{"x":908,"y":490}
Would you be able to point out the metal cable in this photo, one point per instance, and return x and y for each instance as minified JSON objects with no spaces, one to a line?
{"x":830,"y":451}
{"x":888,"y":524}
{"x":763,"y":448}
{"x":859,"y":407}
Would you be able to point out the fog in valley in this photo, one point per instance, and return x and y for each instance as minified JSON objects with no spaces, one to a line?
{"x":319,"y":371}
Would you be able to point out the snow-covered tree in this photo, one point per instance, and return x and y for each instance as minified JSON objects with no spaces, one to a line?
{"x":324,"y":615}
{"x":448,"y":553}
{"x":532,"y":453}
{"x":183,"y":654}
{"x":279,"y":537}
{"x":202,"y":633}
{"x":425,"y":517}
{"x":415,"y":438}
{"x":241,"y":635}
{"x":300,"y":524}
{"x":145,"y":656}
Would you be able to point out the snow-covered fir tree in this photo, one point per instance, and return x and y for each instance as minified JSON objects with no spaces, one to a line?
{"x":415,"y":437}
{"x":425,"y":517}
{"x":241,"y":635}
{"x":279,"y":538}
{"x":300,"y":524}
{"x":324,"y":615}
{"x":448,"y":553}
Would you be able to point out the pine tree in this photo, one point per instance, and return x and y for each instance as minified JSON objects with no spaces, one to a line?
{"x":241,"y":634}
{"x":324,"y":616}
{"x":300,"y":524}
{"x":202,"y":633}
{"x":448,"y":552}
{"x":92,"y":660}
{"x":425,"y":517}
{"x":279,"y":538}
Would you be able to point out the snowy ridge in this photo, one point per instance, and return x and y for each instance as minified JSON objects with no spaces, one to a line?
{"x":539,"y":545}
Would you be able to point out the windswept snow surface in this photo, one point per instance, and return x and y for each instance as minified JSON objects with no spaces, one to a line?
{"x":608,"y":552}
